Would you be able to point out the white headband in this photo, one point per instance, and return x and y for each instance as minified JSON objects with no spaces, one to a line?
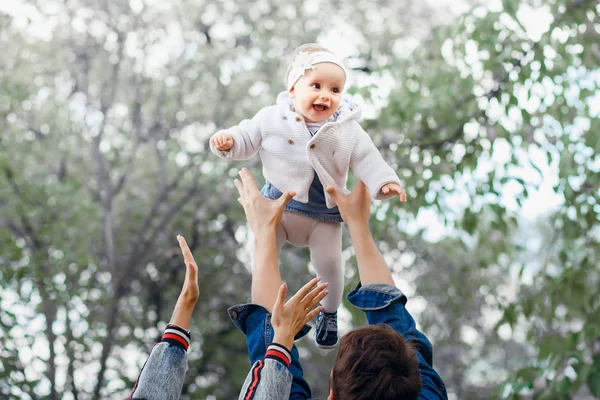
{"x":305,"y":60}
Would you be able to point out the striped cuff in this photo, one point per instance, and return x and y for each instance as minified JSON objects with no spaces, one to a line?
{"x":279,"y":353}
{"x":176,"y":336}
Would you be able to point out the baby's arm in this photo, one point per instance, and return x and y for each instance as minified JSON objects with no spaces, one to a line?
{"x":370,"y":167}
{"x":239,"y":142}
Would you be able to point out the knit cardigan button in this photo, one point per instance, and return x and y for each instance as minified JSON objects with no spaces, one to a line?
{"x":312,"y":146}
{"x":298,"y":119}
{"x":284,"y":118}
{"x":290,"y":141}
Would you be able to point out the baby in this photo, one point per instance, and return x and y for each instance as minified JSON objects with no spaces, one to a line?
{"x":308,"y":141}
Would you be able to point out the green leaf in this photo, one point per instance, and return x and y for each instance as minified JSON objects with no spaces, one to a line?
{"x":593,"y":382}
{"x":596,"y":362}
{"x":591,"y":332}
{"x":470,"y":221}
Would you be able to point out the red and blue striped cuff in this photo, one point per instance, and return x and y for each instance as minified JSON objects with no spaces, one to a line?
{"x":274,"y":351}
{"x":279,"y":353}
{"x":177,"y":336}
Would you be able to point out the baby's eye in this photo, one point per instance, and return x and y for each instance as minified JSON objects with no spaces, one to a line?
{"x":316,"y":85}
{"x":336,"y":90}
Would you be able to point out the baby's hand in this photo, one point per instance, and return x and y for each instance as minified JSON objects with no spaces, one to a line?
{"x":222,"y":141}
{"x":394,"y":188}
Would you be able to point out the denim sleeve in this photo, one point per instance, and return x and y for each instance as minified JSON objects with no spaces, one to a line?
{"x":163,"y":374}
{"x":254,"y":321}
{"x":384,"y":304}
{"x":268,"y":379}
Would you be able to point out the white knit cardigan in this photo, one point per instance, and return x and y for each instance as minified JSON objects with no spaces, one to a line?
{"x":289,"y":153}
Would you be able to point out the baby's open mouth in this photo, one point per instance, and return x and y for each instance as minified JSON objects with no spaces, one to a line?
{"x":319,"y":107}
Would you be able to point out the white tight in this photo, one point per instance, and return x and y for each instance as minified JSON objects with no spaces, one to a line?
{"x":324,"y":240}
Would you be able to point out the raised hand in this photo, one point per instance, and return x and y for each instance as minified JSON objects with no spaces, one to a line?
{"x":261,"y":213}
{"x":394,"y":188}
{"x":190,"y":291}
{"x":222,"y":141}
{"x":289,"y":317}
{"x":188,"y":297}
{"x":354,"y":207}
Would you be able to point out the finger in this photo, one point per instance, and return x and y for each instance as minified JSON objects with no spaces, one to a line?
{"x":280,"y":301}
{"x":314,"y":296}
{"x":304,"y":290}
{"x":331,"y":191}
{"x":313,"y":314}
{"x":191,"y":273}
{"x":248,"y":181}
{"x":313,"y":301}
{"x":401,"y":193}
{"x":188,"y":257}
{"x":240,"y":188}
{"x":320,"y":297}
{"x":287,"y":197}
{"x":385,"y":190}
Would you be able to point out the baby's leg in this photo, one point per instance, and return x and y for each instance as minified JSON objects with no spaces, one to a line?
{"x":325,"y":244}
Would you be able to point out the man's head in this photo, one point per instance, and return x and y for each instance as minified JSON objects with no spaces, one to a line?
{"x":375,"y":362}
{"x":315,"y":79}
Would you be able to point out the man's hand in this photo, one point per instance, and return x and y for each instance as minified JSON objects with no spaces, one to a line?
{"x":394,"y":188}
{"x":222,"y":141}
{"x":261,"y":213}
{"x":355,"y":207}
{"x":289,"y":317}
{"x":355,"y":210}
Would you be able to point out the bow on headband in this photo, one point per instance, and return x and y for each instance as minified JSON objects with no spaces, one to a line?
{"x":304,"y":61}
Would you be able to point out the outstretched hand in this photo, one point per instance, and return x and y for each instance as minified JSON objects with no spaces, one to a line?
{"x":394,"y":188}
{"x":261,"y":213}
{"x":289,"y":317}
{"x":354,"y":207}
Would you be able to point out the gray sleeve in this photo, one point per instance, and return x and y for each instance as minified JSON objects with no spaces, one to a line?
{"x":163,"y":374}
{"x":268,"y":379}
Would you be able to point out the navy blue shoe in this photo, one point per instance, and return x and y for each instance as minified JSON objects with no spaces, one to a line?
{"x":326,"y":335}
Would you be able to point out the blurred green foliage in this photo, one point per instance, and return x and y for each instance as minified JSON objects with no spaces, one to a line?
{"x":105,"y":113}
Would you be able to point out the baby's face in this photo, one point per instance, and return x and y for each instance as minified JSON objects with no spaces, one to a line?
{"x":317,"y":94}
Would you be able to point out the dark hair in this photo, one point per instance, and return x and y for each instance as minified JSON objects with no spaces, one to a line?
{"x":375,"y":362}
